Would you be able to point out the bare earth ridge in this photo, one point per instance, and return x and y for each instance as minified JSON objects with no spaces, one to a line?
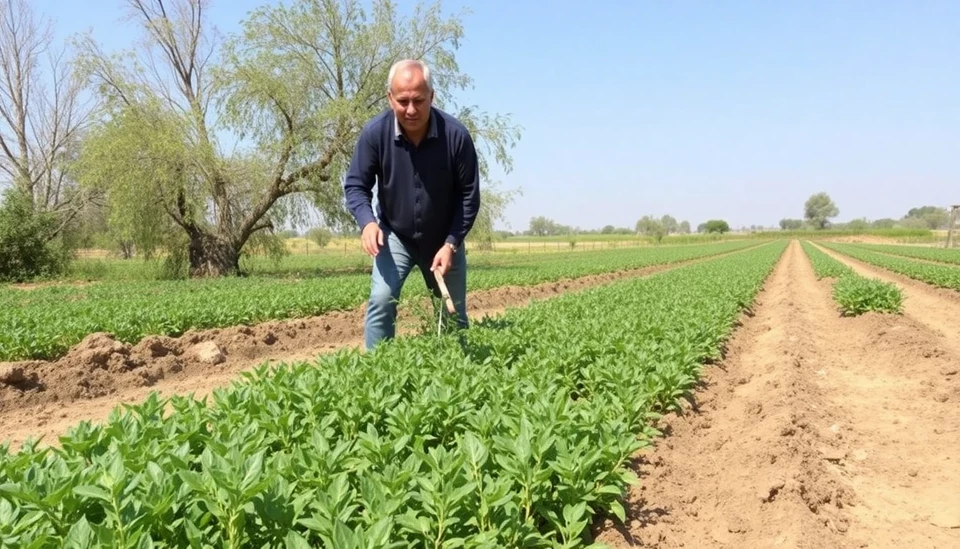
{"x":815,"y":431}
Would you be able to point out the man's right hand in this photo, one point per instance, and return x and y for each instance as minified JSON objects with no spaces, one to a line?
{"x":372,"y":238}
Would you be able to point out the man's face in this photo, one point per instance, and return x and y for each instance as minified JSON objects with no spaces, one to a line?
{"x":410,"y":99}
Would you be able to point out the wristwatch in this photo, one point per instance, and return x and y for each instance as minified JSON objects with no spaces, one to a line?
{"x":453,"y":247}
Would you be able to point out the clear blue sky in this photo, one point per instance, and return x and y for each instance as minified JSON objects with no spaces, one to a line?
{"x":733,"y":110}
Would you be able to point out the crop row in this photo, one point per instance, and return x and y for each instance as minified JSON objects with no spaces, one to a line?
{"x":853,"y":293}
{"x":944,"y":276}
{"x":943,"y":255}
{"x":45,"y":322}
{"x":514,"y":433}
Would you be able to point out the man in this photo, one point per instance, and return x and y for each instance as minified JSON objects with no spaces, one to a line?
{"x":426,"y":168}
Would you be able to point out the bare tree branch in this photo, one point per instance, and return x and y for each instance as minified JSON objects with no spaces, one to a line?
{"x":40,"y":125}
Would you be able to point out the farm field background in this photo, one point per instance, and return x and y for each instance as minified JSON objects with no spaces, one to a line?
{"x":517,"y":436}
{"x":713,"y":281}
{"x":628,"y":349}
{"x":306,"y":258}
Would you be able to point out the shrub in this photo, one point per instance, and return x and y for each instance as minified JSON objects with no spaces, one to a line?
{"x":27,"y":249}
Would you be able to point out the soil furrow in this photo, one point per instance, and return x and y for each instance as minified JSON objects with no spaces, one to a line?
{"x":814,"y":431}
{"x":937,"y":308}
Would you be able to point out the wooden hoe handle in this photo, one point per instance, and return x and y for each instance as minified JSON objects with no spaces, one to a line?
{"x":444,"y":292}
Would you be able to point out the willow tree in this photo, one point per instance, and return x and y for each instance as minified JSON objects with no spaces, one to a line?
{"x":222,"y":140}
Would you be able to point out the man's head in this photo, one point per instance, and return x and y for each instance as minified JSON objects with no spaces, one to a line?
{"x":410,"y":92}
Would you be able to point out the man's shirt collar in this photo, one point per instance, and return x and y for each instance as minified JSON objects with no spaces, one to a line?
{"x":431,"y":131}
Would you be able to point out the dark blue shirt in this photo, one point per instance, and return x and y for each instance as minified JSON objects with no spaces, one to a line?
{"x":429,"y":193}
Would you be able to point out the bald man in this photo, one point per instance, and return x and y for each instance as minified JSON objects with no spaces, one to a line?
{"x":425,"y":164}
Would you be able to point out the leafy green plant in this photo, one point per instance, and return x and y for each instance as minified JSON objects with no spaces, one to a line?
{"x":943,"y":276}
{"x":45,"y":322}
{"x":854,"y":294}
{"x":943,"y":255}
{"x":823,"y":265}
{"x":857,"y":295}
{"x":27,"y":247}
{"x":515,"y":433}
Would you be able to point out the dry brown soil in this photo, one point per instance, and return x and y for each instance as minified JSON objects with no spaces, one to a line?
{"x":815,"y":431}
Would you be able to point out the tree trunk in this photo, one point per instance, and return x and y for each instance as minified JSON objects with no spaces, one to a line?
{"x":126,"y":249}
{"x":211,"y":255}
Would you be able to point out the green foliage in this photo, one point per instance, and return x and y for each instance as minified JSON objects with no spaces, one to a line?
{"x":943,"y":255}
{"x":818,"y":210}
{"x":44,"y":322}
{"x":791,"y":224}
{"x":321,"y":236}
{"x":930,"y":217}
{"x":884,"y":223}
{"x":305,"y":76}
{"x":138,"y":160}
{"x":652,"y":227}
{"x":857,"y":295}
{"x":944,"y":276}
{"x":493,"y":206}
{"x":824,"y":266}
{"x":714,"y":226}
{"x":292,"y":89}
{"x":519,"y":433}
{"x":542,"y":226}
{"x":853,"y":293}
{"x":26,"y":248}
{"x":857,"y":225}
{"x":670,"y":224}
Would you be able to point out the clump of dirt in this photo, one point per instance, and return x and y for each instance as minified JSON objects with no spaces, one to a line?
{"x":100,"y":365}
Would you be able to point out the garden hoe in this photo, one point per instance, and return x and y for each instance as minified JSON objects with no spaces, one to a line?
{"x":446,"y":297}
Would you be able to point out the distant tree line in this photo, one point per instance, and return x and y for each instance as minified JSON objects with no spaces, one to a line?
{"x":648,"y":225}
{"x":820,"y":208}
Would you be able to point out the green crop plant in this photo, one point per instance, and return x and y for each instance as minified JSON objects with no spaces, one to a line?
{"x":943,"y":255}
{"x":857,"y":295}
{"x":854,"y":294}
{"x":43,"y":323}
{"x":515,"y":433}
{"x":943,"y":276}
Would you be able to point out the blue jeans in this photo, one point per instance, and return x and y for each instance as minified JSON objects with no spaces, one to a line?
{"x":390,"y":269}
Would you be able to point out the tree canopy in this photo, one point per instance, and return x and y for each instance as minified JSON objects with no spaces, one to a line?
{"x":928,"y":217}
{"x":215,"y":141}
{"x":818,"y":210}
{"x":791,"y":224}
{"x":714,"y":226}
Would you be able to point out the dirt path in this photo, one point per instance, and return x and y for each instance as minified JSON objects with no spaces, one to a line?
{"x":937,"y":308}
{"x":46,"y":398}
{"x":816,"y":431}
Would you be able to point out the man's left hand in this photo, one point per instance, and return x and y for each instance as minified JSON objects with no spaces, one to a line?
{"x":442,"y":260}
